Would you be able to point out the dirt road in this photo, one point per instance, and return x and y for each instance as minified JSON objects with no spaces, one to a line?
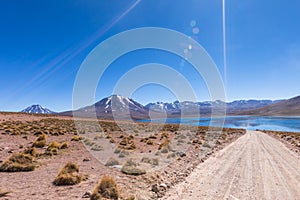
{"x":256,"y":166}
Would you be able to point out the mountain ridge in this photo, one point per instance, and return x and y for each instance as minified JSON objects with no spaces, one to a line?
{"x":37,"y":109}
{"x":117,"y":106}
{"x":120,"y":107}
{"x":286,"y":107}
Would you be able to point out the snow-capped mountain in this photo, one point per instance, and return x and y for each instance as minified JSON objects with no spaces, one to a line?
{"x":115,"y":106}
{"x":161,"y":106}
{"x":206,"y":106}
{"x":37,"y":109}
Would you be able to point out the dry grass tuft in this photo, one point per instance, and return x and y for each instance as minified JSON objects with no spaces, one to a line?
{"x":112,"y":162}
{"x":107,"y":188}
{"x":19,"y":162}
{"x":164,"y":144}
{"x":53,"y":145}
{"x":31,"y":151}
{"x":40,"y":141}
{"x":131,"y":168}
{"x":68,"y":175}
{"x":64,"y":145}
{"x":3,"y":193}
{"x":75,"y":138}
{"x":52,"y":148}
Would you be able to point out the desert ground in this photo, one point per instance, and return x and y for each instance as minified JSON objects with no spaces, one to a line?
{"x":256,"y":166}
{"x":142,"y":161}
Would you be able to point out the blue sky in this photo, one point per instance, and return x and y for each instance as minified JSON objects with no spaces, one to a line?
{"x":43,"y":44}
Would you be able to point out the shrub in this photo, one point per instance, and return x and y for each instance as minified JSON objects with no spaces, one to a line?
{"x":123,"y":154}
{"x":53,"y":145}
{"x":3,"y":193}
{"x":96,"y":147}
{"x":18,"y":162}
{"x":112,"y":162}
{"x":164,"y":144}
{"x":68,"y":175}
{"x":130,"y":168}
{"x":164,"y":150}
{"x":164,"y":135}
{"x":117,"y":150}
{"x":40,"y":141}
{"x":64,"y":145}
{"x":52,"y":148}
{"x":75,"y":138}
{"x":149,"y":142}
{"x":153,"y":161}
{"x":107,"y":188}
{"x":31,"y":151}
{"x":153,"y":136}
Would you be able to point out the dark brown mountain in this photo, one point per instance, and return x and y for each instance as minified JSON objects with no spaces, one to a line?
{"x":289,"y":107}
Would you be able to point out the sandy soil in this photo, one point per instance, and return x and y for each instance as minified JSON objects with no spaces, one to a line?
{"x":17,"y":131}
{"x":256,"y":166}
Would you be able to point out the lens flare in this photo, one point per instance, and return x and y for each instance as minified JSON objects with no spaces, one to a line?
{"x":224,"y":39}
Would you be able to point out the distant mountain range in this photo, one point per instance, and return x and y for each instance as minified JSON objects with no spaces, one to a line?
{"x":206,"y":107}
{"x":289,"y":107}
{"x":37,"y":109}
{"x":120,"y":107}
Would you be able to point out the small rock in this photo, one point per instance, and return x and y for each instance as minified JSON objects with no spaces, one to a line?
{"x":86,"y":160}
{"x":10,"y":151}
{"x":164,"y":186}
{"x":87,"y":195}
{"x":154,"y":188}
{"x":181,"y":154}
{"x":288,"y":138}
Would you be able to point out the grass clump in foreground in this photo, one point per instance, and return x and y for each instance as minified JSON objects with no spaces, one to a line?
{"x":40,"y":141}
{"x":112,"y":162}
{"x":130,"y":168}
{"x":64,"y":145}
{"x":3,"y":193}
{"x":52,"y":148}
{"x":75,"y":138}
{"x":19,"y":162}
{"x":69,"y":175}
{"x":107,"y":188}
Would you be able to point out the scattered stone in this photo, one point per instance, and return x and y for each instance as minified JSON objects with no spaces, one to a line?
{"x":86,"y":160}
{"x":154,"y":188}
{"x":288,"y":138}
{"x":87,"y":195}
{"x":10,"y":151}
{"x":163,"y":186}
{"x":181,"y":154}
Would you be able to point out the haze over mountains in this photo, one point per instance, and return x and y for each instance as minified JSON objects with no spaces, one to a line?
{"x":120,"y":107}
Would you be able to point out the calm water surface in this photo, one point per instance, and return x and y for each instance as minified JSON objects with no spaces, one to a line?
{"x":291,"y":124}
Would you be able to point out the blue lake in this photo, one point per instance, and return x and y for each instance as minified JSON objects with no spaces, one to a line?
{"x":282,"y":123}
